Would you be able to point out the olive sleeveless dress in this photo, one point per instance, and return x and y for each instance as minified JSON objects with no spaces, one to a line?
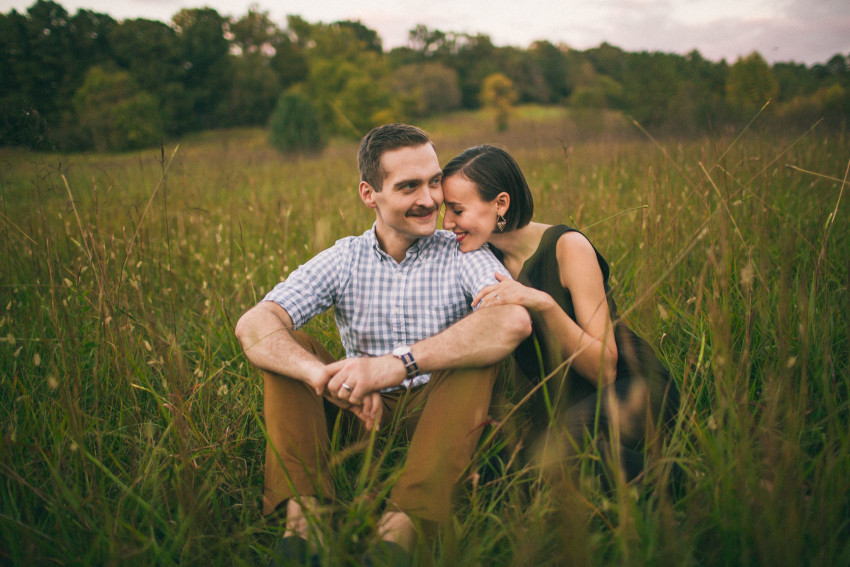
{"x":643,"y":393}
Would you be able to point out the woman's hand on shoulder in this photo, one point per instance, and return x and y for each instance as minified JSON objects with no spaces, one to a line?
{"x":509,"y":291}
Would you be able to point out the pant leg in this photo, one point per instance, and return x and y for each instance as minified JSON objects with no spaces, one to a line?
{"x":298,"y":443}
{"x":446,"y":435}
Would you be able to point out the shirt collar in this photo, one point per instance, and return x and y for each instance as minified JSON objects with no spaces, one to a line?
{"x":412,"y":253}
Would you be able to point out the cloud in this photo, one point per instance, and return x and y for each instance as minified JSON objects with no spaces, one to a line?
{"x":799,"y":30}
{"x":807,"y":31}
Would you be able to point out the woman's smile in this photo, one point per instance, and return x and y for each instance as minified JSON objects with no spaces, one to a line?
{"x":470,"y":219}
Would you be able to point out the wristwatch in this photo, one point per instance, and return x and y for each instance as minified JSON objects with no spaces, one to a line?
{"x":403,"y":353}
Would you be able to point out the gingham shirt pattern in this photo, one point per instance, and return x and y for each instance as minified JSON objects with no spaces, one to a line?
{"x":380,"y":304}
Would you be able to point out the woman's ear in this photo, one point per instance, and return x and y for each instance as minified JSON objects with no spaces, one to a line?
{"x":503,"y":203}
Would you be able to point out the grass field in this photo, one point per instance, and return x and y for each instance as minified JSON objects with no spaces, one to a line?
{"x":131,"y":423}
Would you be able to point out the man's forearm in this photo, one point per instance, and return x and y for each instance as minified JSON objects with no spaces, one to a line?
{"x":263,"y":332}
{"x":483,"y":338}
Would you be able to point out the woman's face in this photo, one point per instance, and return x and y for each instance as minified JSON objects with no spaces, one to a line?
{"x":472,"y":219}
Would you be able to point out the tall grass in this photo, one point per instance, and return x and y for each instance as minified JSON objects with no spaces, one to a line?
{"x":132,"y":426}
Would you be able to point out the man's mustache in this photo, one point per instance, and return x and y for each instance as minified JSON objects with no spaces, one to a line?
{"x":420,"y":211}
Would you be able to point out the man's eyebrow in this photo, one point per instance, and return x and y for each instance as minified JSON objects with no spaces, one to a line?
{"x":403,"y":182}
{"x":417,"y":180}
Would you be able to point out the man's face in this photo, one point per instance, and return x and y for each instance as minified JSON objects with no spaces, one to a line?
{"x":409,"y":201}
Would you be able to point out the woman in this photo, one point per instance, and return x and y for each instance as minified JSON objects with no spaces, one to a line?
{"x":602,"y":383}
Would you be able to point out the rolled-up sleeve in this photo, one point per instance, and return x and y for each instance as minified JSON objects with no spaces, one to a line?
{"x":310,"y":289}
{"x":478,"y":269}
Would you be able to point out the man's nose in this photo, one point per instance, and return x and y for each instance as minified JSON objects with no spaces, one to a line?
{"x":426,"y":199}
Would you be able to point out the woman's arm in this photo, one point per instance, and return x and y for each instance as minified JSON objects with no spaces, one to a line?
{"x":591,"y":335}
{"x":589,"y":340}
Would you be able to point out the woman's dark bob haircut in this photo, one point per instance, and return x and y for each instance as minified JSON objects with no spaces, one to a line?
{"x":493,"y":170}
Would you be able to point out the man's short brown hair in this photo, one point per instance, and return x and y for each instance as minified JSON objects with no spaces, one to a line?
{"x":383,"y":139}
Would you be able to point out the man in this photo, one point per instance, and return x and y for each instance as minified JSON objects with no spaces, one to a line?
{"x":401,"y":294}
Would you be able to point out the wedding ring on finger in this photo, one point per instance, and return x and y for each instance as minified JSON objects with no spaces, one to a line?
{"x":346,"y":386}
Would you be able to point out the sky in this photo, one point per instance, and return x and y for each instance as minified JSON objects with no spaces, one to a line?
{"x":801,"y":31}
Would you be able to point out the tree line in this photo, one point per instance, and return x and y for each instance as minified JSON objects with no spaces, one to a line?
{"x":88,"y":81}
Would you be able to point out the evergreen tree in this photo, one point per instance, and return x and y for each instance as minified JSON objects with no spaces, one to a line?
{"x":294,"y":127}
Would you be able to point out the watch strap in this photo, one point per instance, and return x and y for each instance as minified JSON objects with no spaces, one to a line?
{"x":409,"y":363}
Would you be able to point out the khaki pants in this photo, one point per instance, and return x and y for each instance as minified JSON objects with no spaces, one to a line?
{"x":444,"y":419}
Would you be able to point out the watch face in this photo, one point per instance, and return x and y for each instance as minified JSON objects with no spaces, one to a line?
{"x":401,"y":351}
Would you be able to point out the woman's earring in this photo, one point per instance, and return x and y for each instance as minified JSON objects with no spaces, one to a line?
{"x":500,"y":223}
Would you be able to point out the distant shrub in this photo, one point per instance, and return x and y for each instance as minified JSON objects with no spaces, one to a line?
{"x":294,"y":127}
{"x":498,"y":93}
{"x":426,"y":89}
{"x":831,"y":104}
{"x":115,"y":113}
{"x":749,"y":85}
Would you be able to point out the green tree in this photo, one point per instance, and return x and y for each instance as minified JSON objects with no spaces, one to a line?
{"x":254,"y":32}
{"x":794,"y":80}
{"x":254,"y":91}
{"x":256,"y":85}
{"x":608,"y":60}
{"x":556,"y":67}
{"x":115,"y":112}
{"x":650,"y":83}
{"x":294,"y":127}
{"x":46,"y":67}
{"x":348,"y":81}
{"x":750,"y":85}
{"x":594,"y":90}
{"x":499,"y":95}
{"x":150,"y":52}
{"x":265,"y":62}
{"x":837,"y":65}
{"x":256,"y":35}
{"x":289,"y":61}
{"x":45,"y":55}
{"x":434,"y":43}
{"x":526,"y":74}
{"x":425,"y":89}
{"x":90,"y":33}
{"x":698,"y":100}
{"x":18,"y":123}
{"x":368,"y":38}
{"x":474,"y":58}
{"x":204,"y":54}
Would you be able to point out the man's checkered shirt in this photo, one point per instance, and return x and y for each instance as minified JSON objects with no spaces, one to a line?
{"x":380,"y":304}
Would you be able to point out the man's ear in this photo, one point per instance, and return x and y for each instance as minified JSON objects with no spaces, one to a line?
{"x":367,"y":194}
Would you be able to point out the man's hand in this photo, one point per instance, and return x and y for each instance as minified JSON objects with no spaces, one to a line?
{"x":355,"y":378}
{"x":370,"y":411}
{"x":317,"y":377}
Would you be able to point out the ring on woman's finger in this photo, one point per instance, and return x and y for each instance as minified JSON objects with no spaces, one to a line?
{"x":496,"y":295}
{"x":346,"y":386}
